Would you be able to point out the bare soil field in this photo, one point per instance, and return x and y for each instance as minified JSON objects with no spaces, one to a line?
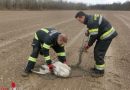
{"x":17,"y":31}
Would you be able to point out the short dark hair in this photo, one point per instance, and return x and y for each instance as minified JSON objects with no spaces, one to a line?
{"x":79,"y":14}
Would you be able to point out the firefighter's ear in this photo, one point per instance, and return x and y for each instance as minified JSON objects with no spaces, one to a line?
{"x":64,"y":38}
{"x":59,"y":40}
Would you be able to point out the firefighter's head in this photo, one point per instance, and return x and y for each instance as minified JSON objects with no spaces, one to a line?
{"x":62,"y":39}
{"x":80,"y":16}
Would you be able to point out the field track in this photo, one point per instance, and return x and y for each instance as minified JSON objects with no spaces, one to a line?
{"x":16,"y":33}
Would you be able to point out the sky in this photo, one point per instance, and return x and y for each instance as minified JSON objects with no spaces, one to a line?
{"x":92,"y":2}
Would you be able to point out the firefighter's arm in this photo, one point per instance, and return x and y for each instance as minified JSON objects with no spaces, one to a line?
{"x":92,"y":36}
{"x":45,"y":51}
{"x":60,"y":53}
{"x":86,"y":33}
{"x":93,"y":32}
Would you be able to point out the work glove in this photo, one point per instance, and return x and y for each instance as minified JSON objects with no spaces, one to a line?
{"x":86,"y":46}
{"x":51,"y":67}
{"x":65,"y":62}
{"x":87,"y":33}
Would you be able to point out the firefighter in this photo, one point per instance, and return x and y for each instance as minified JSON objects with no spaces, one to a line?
{"x":101,"y":32}
{"x":45,"y":39}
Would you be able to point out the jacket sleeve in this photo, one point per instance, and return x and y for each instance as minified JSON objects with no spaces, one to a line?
{"x":92,"y":36}
{"x":60,"y":53}
{"x":45,"y":50}
{"x":93,"y":29}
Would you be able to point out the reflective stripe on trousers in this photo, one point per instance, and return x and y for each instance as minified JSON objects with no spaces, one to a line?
{"x":32,"y":59}
{"x":100,"y":67}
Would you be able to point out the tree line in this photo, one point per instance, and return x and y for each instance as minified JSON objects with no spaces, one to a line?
{"x":114,"y":6}
{"x":40,"y":4}
{"x":58,"y":5}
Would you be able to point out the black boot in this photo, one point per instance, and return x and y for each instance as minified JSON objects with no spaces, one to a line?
{"x":96,"y":73}
{"x":28,"y":69}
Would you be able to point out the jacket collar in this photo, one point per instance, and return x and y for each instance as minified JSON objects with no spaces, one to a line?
{"x":86,"y":19}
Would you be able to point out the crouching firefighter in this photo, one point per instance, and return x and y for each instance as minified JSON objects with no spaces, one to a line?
{"x":101,"y":31}
{"x":45,"y":39}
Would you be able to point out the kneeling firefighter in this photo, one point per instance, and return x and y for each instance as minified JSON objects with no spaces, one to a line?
{"x":45,"y":39}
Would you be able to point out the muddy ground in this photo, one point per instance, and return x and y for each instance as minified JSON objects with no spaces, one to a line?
{"x":16,"y":33}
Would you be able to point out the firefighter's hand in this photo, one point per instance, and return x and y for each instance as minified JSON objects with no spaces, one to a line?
{"x":51,"y":67}
{"x":86,"y":46}
{"x":87,"y":33}
{"x":65,"y":62}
